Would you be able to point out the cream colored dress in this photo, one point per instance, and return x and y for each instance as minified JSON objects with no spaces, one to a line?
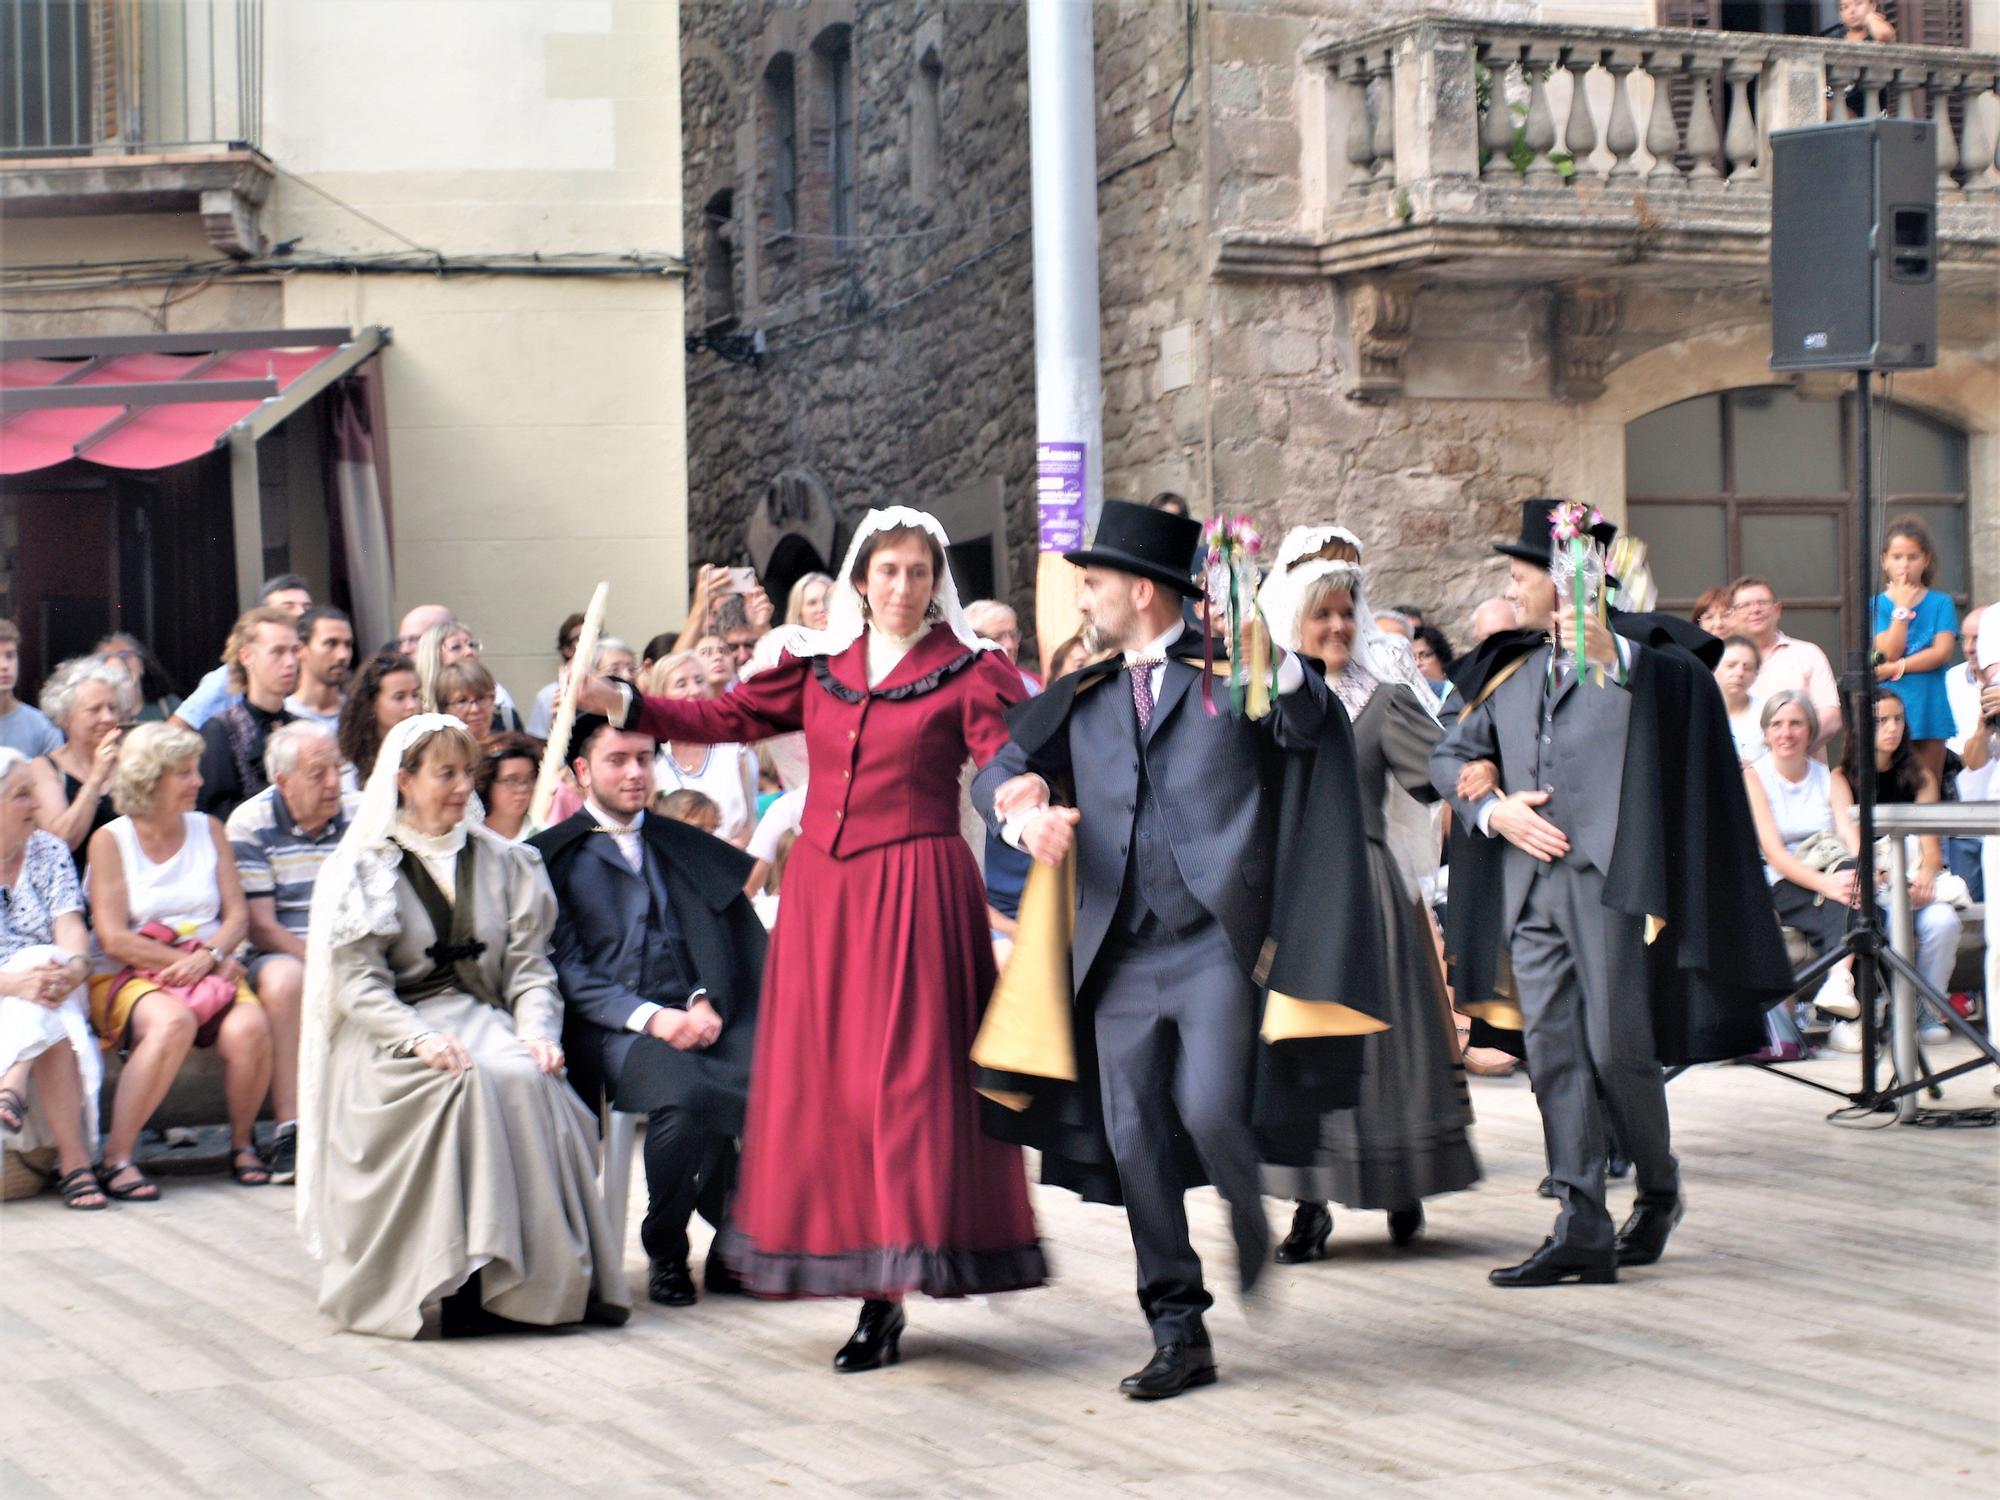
{"x":426,"y":1178}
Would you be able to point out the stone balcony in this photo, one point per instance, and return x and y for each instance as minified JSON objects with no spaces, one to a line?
{"x":1446,"y":149}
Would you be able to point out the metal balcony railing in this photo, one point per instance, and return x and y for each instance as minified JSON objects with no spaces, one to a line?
{"x":89,"y":77}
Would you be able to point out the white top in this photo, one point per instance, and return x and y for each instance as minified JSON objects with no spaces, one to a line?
{"x":543,"y":717}
{"x":1799,"y":808}
{"x":725,"y":777}
{"x":298,"y":708}
{"x":782,"y":817}
{"x":182,"y":891}
{"x":1748,"y":733}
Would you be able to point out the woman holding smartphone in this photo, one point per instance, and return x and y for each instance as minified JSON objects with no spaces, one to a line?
{"x":72,"y":783}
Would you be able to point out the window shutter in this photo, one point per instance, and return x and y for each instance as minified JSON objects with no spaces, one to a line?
{"x":1929,"y":23}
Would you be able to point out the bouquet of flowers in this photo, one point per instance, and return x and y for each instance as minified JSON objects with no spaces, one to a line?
{"x":1577,"y":563}
{"x":1231,"y":585}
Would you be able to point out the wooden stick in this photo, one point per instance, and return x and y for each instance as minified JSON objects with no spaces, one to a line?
{"x":579,"y":668}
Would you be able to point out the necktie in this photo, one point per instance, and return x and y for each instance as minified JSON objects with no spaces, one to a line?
{"x":1142,"y":689}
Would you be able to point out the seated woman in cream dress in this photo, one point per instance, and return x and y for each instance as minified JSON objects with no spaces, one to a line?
{"x":444,"y":1162}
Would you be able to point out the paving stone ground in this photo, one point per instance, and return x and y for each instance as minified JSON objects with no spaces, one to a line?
{"x":1826,"y":1324}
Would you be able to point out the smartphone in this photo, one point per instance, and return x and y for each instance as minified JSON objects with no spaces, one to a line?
{"x":742,"y":580}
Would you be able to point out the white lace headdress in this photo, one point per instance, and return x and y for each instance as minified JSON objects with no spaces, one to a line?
{"x":845,"y":620}
{"x":1412,"y":827}
{"x":354,"y":896}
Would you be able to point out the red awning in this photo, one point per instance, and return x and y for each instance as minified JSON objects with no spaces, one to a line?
{"x":139,"y":436}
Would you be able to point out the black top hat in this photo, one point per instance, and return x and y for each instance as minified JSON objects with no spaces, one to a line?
{"x":1536,"y":542}
{"x":1154,"y":544}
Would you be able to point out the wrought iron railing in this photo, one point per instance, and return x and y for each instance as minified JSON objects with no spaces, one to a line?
{"x":84,"y":77}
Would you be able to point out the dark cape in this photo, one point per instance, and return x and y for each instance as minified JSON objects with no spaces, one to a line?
{"x":725,"y":942}
{"x":1319,"y":972}
{"x":1686,"y":855}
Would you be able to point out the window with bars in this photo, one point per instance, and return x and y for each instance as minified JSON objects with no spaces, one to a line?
{"x":1762,"y":480}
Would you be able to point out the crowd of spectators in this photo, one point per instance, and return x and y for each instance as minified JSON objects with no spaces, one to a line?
{"x":158,"y":853}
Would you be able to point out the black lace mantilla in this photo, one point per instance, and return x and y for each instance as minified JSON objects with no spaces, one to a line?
{"x":928,"y":683}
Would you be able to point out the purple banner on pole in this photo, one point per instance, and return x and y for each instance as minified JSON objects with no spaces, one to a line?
{"x":1059,"y":487}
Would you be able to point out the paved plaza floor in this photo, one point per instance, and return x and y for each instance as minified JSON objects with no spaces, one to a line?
{"x":1826,"y":1324}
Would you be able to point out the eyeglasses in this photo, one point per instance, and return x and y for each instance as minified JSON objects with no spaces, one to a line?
{"x":515,"y":783}
{"x":485,"y":699}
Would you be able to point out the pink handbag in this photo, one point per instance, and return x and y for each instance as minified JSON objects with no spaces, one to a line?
{"x":207,"y":997}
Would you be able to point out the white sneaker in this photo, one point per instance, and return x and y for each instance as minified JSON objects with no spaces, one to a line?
{"x":1933,"y":1033}
{"x":1836,"y":995}
{"x":1845,"y":1036}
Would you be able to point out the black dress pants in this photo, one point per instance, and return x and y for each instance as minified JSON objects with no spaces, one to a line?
{"x":688,"y":1167}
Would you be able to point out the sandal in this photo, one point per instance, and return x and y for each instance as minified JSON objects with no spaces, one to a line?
{"x":76,"y":1186}
{"x":251,"y":1173}
{"x":13,"y":1109}
{"x":141,"y":1190}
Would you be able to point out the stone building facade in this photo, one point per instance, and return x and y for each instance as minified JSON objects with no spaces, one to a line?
{"x":1396,"y":265}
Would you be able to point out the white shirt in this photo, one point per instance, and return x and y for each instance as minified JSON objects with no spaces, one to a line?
{"x":298,"y":708}
{"x":628,"y":841}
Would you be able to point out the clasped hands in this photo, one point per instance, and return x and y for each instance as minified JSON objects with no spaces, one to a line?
{"x":687,"y":1030}
{"x":47,"y":984}
{"x":1049,"y":832}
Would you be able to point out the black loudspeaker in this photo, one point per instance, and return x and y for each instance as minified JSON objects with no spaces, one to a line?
{"x":1854,"y":246}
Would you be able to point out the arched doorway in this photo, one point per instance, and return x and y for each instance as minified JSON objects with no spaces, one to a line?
{"x":1762,"y":480}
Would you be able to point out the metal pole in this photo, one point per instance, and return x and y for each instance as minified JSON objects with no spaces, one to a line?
{"x":1861,"y":682}
{"x":1069,"y":431}
{"x":246,"y":512}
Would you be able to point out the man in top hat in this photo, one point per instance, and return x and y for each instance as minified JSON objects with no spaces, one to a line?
{"x":1612,"y":794}
{"x":1176,"y":826}
{"x":661,"y":959}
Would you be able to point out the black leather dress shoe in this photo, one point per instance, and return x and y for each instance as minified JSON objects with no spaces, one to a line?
{"x":877,"y":1339}
{"x":1312,"y":1227}
{"x":1405,"y":1224}
{"x":1554,"y":1264}
{"x":1546,"y":1188}
{"x":671,"y":1285}
{"x":1617,"y":1166}
{"x":600,"y":1314}
{"x":1643,"y":1236}
{"x":1173,"y":1368}
{"x":719,"y":1281}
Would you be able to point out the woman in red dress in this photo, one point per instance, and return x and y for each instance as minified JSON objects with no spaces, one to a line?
{"x":865,"y":1173}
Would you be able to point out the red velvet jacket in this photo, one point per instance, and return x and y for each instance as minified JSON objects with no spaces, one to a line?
{"x":883,"y":764}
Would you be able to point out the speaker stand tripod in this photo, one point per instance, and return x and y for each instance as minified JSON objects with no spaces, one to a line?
{"x":1866,"y":942}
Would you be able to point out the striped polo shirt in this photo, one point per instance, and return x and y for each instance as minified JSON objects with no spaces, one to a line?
{"x":277,"y":858}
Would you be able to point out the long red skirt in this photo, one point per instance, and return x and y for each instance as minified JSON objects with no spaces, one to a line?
{"x":865,"y":1172}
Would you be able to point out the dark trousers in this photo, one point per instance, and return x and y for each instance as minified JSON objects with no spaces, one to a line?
{"x":1176,"y":1022}
{"x":1580,"y":969}
{"x":688,"y":1167}
{"x":1823,"y":922}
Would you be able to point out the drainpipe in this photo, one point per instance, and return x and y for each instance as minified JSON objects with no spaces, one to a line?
{"x":1069,"y":428}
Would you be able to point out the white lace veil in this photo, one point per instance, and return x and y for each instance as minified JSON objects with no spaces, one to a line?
{"x":354,"y":896}
{"x":845,"y":620}
{"x":1412,"y":827}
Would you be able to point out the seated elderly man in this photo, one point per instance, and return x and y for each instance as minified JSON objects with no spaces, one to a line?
{"x":280,"y":838}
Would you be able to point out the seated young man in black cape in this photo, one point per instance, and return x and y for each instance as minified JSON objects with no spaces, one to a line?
{"x":660,"y":958}
{"x":1221,"y":896}
{"x":1605,"y":894}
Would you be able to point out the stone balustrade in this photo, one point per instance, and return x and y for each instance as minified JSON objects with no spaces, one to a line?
{"x":1504,"y":149}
